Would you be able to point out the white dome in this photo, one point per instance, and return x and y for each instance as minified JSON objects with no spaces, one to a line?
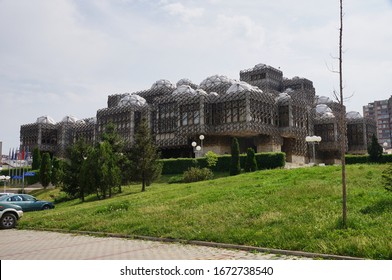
{"x":163,"y":84}
{"x":323,"y":111}
{"x":69,"y":119}
{"x":323,"y":100}
{"x":184,"y":89}
{"x":242,"y":86}
{"x":132,"y":99}
{"x":289,"y":90}
{"x":213,"y":93}
{"x":45,"y":119}
{"x":215,"y":80}
{"x":201,"y":91}
{"x":184,"y":82}
{"x":322,"y":108}
{"x":353,"y":115}
{"x":283,"y":98}
{"x":260,"y":65}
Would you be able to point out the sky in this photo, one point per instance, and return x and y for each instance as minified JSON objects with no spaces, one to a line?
{"x":64,"y":57}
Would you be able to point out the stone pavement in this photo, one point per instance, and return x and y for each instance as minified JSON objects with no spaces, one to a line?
{"x":42,"y":245}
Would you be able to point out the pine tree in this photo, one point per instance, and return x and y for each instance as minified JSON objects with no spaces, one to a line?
{"x":250,"y":163}
{"x":375,"y":150}
{"x":72,"y":169}
{"x":235,"y":167}
{"x":36,"y":164}
{"x":144,"y":157}
{"x":45,"y":170}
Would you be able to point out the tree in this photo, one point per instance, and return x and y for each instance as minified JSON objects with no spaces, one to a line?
{"x":343,"y":127}
{"x":375,"y":150}
{"x":72,"y":169}
{"x":235,"y":167}
{"x":108,"y":174}
{"x":36,"y":164}
{"x":45,"y":170}
{"x":250,"y":163}
{"x":144,"y":157}
{"x":57,"y":172}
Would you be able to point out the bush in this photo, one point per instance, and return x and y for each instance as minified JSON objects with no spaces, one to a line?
{"x":386,"y":178}
{"x":354,"y":159}
{"x":250,"y":163}
{"x":264,"y":161}
{"x":195,"y":174}
{"x":235,"y":166}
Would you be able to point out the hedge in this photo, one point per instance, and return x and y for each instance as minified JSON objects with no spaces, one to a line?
{"x":355,"y":159}
{"x":264,"y":161}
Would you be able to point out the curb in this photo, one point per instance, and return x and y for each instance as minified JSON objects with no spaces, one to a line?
{"x":209,"y":244}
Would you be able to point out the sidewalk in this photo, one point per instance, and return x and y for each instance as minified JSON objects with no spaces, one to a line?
{"x":42,"y":245}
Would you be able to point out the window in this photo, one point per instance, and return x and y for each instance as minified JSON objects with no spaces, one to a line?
{"x":258,"y":76}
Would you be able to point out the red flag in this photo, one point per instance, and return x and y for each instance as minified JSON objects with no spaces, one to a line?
{"x":23,"y":154}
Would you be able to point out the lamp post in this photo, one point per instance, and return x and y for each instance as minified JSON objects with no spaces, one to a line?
{"x":196,"y":148}
{"x":385,"y":146}
{"x":313,"y":140}
{"x":5,"y":179}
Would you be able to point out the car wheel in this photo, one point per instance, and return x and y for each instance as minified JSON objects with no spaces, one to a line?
{"x":8,"y":221}
{"x":45,"y":207}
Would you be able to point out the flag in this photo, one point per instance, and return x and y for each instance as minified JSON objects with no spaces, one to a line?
{"x":27,"y":153}
{"x":23,"y":153}
{"x":9,"y":155}
{"x":13,"y":154}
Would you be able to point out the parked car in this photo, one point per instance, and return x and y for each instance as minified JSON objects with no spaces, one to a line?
{"x":5,"y":193}
{"x":9,"y":215}
{"x":27,"y":202}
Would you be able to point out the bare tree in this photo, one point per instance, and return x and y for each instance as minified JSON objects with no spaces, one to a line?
{"x":343,"y":132}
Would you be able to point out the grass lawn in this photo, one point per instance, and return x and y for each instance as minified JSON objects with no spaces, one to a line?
{"x":298,"y":209}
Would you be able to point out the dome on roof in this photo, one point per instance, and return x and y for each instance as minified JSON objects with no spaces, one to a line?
{"x":240,"y":87}
{"x":260,"y":65}
{"x":184,"y":82}
{"x":322,"y":108}
{"x":323,"y":111}
{"x":163,"y":84}
{"x":45,"y":119}
{"x":323,"y":100}
{"x":184,"y":89}
{"x":69,"y":119}
{"x":132,"y":99}
{"x":283,"y":98}
{"x":289,"y":90}
{"x":353,"y":115}
{"x":201,"y":91}
{"x":215,"y":80}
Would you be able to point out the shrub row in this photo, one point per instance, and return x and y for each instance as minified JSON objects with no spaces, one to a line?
{"x":354,"y":159}
{"x":264,"y":161}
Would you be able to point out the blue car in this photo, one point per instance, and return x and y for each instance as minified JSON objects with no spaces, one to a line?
{"x":27,"y":202}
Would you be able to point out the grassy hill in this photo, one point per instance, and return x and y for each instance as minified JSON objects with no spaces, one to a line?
{"x":297,"y":209}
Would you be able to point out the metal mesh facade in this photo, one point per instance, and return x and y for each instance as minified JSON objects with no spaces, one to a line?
{"x":263,"y":110}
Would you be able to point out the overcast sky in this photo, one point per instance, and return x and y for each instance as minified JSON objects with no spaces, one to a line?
{"x":64,"y":57}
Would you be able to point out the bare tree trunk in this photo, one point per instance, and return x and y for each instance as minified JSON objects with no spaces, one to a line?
{"x":343,"y":136}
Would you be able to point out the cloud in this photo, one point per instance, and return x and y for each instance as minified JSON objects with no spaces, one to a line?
{"x":185,"y":13}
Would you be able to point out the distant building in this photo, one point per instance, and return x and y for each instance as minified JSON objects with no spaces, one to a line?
{"x":264,"y":110}
{"x":381,"y":112}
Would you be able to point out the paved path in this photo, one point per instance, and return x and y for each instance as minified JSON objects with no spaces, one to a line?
{"x":41,"y":245}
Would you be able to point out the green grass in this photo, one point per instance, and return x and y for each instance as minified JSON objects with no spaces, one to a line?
{"x":297,"y":209}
